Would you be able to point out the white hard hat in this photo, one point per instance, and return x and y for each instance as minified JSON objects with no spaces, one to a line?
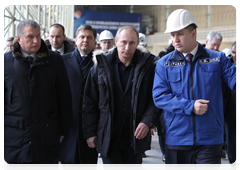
{"x":179,"y":19}
{"x":142,"y":39}
{"x":227,"y":51}
{"x":97,"y":39}
{"x":105,"y":35}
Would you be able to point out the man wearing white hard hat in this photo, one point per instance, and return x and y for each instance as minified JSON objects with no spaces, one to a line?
{"x":106,"y":40}
{"x":142,"y":40}
{"x":97,"y":45}
{"x":187,"y":85}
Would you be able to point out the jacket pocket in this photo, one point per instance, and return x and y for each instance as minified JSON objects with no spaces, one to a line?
{"x":216,"y":117}
{"x":103,"y":93}
{"x":174,"y":77}
{"x":8,"y":93}
{"x":13,"y":131}
{"x":53,"y":132}
{"x":211,"y":73}
{"x":102,"y":125}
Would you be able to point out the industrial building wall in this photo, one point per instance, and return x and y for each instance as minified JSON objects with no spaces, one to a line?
{"x":45,"y":15}
{"x":221,"y":18}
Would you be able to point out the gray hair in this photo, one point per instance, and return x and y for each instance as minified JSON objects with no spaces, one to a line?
{"x":127,"y":27}
{"x":234,"y":44}
{"x":213,"y":34}
{"x":27,"y":22}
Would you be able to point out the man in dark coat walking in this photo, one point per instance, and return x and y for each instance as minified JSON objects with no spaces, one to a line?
{"x":58,"y":41}
{"x":74,"y":148}
{"x":118,"y":108}
{"x":37,"y":99}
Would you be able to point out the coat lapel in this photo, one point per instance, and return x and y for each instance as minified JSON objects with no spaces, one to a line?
{"x":74,"y":63}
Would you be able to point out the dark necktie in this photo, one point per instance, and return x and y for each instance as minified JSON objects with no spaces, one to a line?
{"x":57,"y":51}
{"x":30,"y":59}
{"x":189,"y":57}
{"x":84,"y":57}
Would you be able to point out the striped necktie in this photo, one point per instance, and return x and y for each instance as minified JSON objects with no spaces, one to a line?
{"x":189,"y":57}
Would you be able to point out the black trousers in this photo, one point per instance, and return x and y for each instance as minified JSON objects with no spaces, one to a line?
{"x":122,"y":158}
{"x":77,"y":165}
{"x":230,"y":128}
{"x":202,"y":154}
{"x":53,"y":165}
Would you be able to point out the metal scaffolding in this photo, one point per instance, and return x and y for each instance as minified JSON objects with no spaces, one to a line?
{"x":45,"y":15}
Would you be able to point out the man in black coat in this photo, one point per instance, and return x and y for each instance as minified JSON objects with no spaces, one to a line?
{"x":229,"y":105}
{"x":57,"y":40}
{"x":37,"y":99}
{"x":74,"y":148}
{"x":118,"y":108}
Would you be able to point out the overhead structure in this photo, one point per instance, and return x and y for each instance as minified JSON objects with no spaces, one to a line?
{"x":45,"y":15}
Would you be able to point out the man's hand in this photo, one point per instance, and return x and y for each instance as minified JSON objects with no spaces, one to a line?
{"x":92,"y":142}
{"x":200,"y":106}
{"x":153,"y":129}
{"x":141,"y":131}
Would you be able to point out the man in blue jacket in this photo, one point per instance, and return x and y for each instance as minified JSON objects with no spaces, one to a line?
{"x":187,"y":85}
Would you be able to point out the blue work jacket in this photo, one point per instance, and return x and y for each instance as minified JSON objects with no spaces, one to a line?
{"x":178,"y":84}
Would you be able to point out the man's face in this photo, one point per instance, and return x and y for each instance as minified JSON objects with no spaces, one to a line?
{"x":30,"y":41}
{"x":234,"y":54}
{"x":85,"y":41}
{"x":9,"y":45}
{"x":97,"y":47}
{"x":106,"y":44}
{"x":56,"y":37}
{"x":126,"y":43}
{"x":184,"y":40}
{"x":213,"y":44}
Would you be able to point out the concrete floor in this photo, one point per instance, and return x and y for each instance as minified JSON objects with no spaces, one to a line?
{"x":154,"y":156}
{"x":153,"y":161}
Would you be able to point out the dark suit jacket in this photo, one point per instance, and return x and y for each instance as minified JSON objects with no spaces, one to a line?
{"x":74,"y":143}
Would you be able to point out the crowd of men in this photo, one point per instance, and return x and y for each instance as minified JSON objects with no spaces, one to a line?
{"x":66,"y":100}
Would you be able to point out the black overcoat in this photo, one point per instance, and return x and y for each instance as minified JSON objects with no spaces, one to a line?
{"x":37,"y":106}
{"x":98,"y":104}
{"x":74,"y":143}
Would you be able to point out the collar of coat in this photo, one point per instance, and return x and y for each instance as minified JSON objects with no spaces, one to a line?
{"x":42,"y":52}
{"x":179,"y":56}
{"x":111,"y":52}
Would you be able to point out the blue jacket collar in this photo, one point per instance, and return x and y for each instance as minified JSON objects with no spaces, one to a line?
{"x":179,"y":56}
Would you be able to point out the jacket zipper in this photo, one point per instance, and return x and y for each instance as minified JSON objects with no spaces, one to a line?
{"x":193,"y":117}
{"x":137,"y":87}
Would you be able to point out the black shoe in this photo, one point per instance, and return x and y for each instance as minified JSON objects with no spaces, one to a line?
{"x":233,"y":167}
{"x":163,"y":158}
{"x":144,"y":155}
